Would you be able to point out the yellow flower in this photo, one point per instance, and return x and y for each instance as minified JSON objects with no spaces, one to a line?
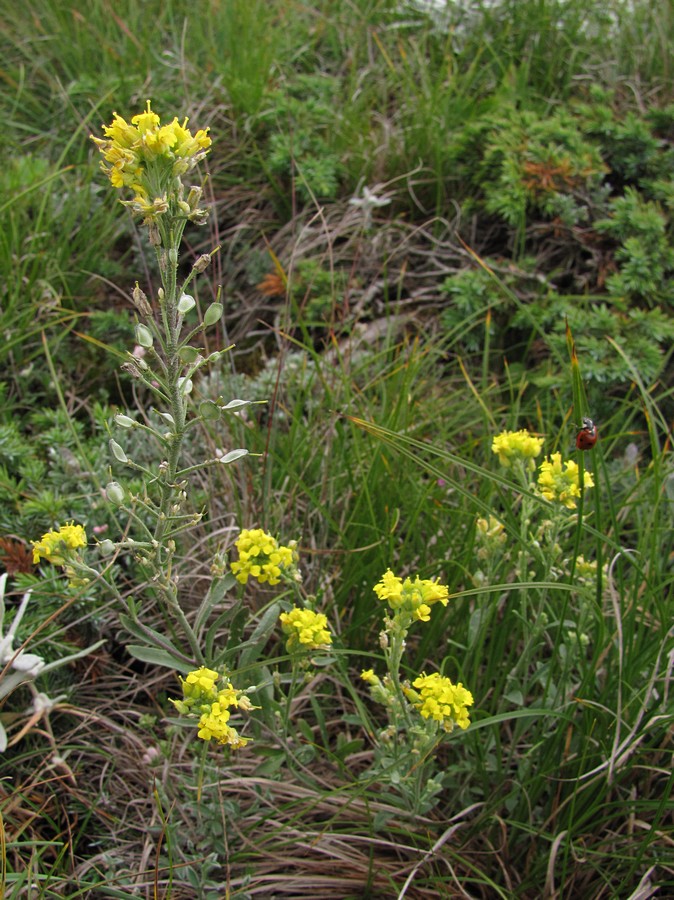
{"x":586,"y":568}
{"x":202,"y":698}
{"x":261,"y":557}
{"x":559,"y":483}
{"x":422,"y":613}
{"x":437,"y":698}
{"x":120,"y":133}
{"x":511,"y":446}
{"x":411,"y":597}
{"x":55,"y":546}
{"x":390,"y":588}
{"x":214,"y":725}
{"x":200,"y":682}
{"x":306,"y":630}
{"x":146,"y":122}
{"x":148,"y":157}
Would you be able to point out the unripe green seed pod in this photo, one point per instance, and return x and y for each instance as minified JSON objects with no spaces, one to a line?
{"x":186,"y":303}
{"x":118,"y":452}
{"x":143,"y":336}
{"x":115,"y":493}
{"x":212,"y":314}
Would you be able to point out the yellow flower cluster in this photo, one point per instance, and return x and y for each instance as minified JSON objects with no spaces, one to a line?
{"x":511,"y":446}
{"x":148,"y":157}
{"x":437,"y":698}
{"x":306,"y":630}
{"x":412,"y":597}
{"x":261,"y":557}
{"x":202,"y":697}
{"x":56,"y":546}
{"x":561,"y":483}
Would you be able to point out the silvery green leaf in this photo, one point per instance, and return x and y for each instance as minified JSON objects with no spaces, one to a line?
{"x":236,"y":404}
{"x":158,"y":657}
{"x":232,"y":455}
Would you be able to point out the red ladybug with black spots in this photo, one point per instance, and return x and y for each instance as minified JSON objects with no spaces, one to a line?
{"x":587,"y":436}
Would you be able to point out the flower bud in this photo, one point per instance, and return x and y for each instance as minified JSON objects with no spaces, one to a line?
{"x":198,"y":216}
{"x":124,"y":421}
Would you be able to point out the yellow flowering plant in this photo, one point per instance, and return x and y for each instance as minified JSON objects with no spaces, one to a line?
{"x":308,"y":643}
{"x":152,"y":163}
{"x":148,"y":162}
{"x":420,"y":713}
{"x":546,"y":507}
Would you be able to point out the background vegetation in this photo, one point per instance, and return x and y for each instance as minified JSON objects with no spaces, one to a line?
{"x":524,"y":149}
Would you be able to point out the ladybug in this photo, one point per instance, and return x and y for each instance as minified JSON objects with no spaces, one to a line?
{"x":587,"y":436}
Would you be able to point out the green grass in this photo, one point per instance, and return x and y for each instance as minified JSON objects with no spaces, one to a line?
{"x":395,"y":352}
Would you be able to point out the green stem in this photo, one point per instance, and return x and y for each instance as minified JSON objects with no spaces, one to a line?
{"x":169,"y":491}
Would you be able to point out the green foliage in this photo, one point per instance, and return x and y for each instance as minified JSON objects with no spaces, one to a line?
{"x":45,"y":477}
{"x":318,"y":294}
{"x":643,"y":335}
{"x":300,"y":150}
{"x":471,"y":294}
{"x":524,"y":167}
{"x":44,"y":291}
{"x":629,"y":144}
{"x":240,"y":38}
{"x":645,"y":255}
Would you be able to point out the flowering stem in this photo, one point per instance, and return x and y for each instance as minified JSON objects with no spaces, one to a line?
{"x":393,"y":655}
{"x":170,"y":492}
